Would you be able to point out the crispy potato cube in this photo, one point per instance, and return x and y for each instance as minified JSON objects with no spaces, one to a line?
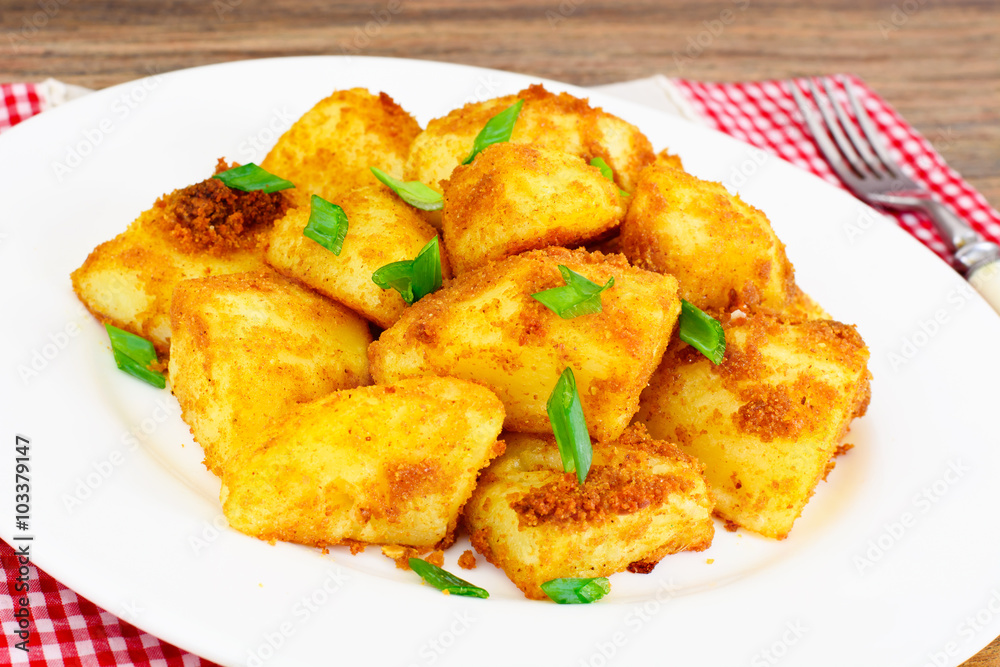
{"x":559,"y":122}
{"x":643,"y":499}
{"x":378,"y":465}
{"x":484,"y":326}
{"x":767,"y":421}
{"x":247,"y":347}
{"x":515,"y":197}
{"x":381,"y":229}
{"x":710,"y":240}
{"x":204,"y":229}
{"x":330,"y":148}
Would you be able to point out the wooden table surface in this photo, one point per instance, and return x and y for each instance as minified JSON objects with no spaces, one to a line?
{"x":937,"y":63}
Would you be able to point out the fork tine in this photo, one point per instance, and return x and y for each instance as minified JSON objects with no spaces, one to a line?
{"x":868,"y":127}
{"x":859,"y":143}
{"x":826,"y":147}
{"x":833,"y":127}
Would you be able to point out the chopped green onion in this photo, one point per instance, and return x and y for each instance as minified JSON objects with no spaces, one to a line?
{"x":250,"y":177}
{"x":606,"y":172}
{"x":702,"y":332}
{"x":134,"y":354}
{"x":496,"y":131}
{"x":569,"y":426}
{"x":578,"y":296}
{"x":605,"y":169}
{"x":413,"y":278}
{"x":577,"y":590}
{"x":445,"y":581}
{"x":414,"y":193}
{"x":327,"y":224}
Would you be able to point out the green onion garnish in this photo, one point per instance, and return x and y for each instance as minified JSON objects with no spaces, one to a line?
{"x":249,"y":177}
{"x":569,"y":426}
{"x":327,"y":224}
{"x":577,"y":590}
{"x":414,"y":193}
{"x":134,"y":354}
{"x":413,"y":278}
{"x":702,"y":332}
{"x":606,"y":172}
{"x":578,"y":296}
{"x":445,"y":581}
{"x":496,"y":131}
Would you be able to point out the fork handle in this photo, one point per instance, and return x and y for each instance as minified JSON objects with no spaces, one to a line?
{"x":977,"y":259}
{"x":986,"y":281}
{"x":954,"y":229}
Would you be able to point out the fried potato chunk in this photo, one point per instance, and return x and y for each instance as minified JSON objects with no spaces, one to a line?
{"x":559,"y":122}
{"x":716,"y":246}
{"x":330,"y":148}
{"x":767,"y":421}
{"x":484,"y":326}
{"x":381,"y":229}
{"x":643,"y":499}
{"x":201,"y":230}
{"x":378,"y":465}
{"x":515,"y":197}
{"x":246,"y":347}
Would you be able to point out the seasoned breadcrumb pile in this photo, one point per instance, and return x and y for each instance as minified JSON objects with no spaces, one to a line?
{"x":212,"y":217}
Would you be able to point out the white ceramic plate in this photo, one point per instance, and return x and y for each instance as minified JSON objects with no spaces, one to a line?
{"x":893,"y":562}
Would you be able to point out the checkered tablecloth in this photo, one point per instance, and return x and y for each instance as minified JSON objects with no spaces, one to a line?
{"x":21,"y":102}
{"x":69,"y":630}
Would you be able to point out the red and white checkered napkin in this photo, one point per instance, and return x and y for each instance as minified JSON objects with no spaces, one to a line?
{"x":21,"y":101}
{"x":68,"y":630}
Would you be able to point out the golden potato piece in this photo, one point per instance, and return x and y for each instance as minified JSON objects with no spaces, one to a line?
{"x":381,"y":229}
{"x":558,"y":122}
{"x":643,"y":499}
{"x":247,"y":347}
{"x":204,"y":229}
{"x":515,"y":197}
{"x":330,"y":148}
{"x":484,"y":326}
{"x":716,"y":246}
{"x":767,"y":421}
{"x":378,"y":465}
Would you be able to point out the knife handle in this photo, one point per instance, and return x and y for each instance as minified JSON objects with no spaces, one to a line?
{"x":986,"y":280}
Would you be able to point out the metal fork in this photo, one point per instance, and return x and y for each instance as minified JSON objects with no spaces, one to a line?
{"x":865,"y":167}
